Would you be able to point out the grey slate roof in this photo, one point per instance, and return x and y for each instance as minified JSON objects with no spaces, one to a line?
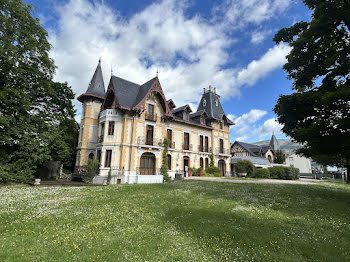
{"x":255,"y":160}
{"x":214,"y":111}
{"x":181,"y":108}
{"x":128,"y":93}
{"x":274,"y":143}
{"x":253,"y":149}
{"x":96,"y":86}
{"x":198,"y":113}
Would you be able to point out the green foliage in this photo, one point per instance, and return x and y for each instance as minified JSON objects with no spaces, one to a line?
{"x":283,"y":172}
{"x":91,"y":170}
{"x":164,"y":167}
{"x":211,"y":163}
{"x":213,"y":171}
{"x":244,"y":166}
{"x":36,"y":114}
{"x":317,"y":115}
{"x":261,"y":173}
{"x":279,"y":157}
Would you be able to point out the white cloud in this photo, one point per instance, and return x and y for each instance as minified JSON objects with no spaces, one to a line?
{"x":270,"y":126}
{"x":258,"y":37}
{"x":244,"y":122}
{"x":274,"y":58}
{"x":190,"y":52}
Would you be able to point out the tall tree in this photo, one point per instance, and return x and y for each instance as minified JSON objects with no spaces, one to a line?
{"x":317,"y":115}
{"x":33,"y":108}
{"x":279,"y":157}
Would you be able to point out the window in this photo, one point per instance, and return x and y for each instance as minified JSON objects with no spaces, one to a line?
{"x":202,"y":120}
{"x":201,"y":144}
{"x":221,"y":126}
{"x":201,"y":163}
{"x":150,"y":109}
{"x":99,"y":155}
{"x":221,"y":146}
{"x":102,"y":129}
{"x":291,"y":158}
{"x":169,"y":162}
{"x":216,"y":102}
{"x":186,"y":141}
{"x":204,"y":102}
{"x":149,"y":135}
{"x":91,"y":156}
{"x":206,"y":162}
{"x":186,"y":116}
{"x":206,"y":144}
{"x":108,"y":158}
{"x":111,"y":128}
{"x":169,"y":134}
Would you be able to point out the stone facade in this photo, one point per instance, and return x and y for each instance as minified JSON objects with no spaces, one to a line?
{"x":128,"y":141}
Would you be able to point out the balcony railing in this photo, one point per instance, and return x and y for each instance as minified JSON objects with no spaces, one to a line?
{"x":151,"y":117}
{"x":100,"y":139}
{"x":187,"y":147}
{"x":224,"y":151}
{"x":154,"y":142}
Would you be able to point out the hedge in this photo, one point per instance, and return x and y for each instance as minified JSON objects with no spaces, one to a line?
{"x":283,"y":172}
{"x":261,"y":173}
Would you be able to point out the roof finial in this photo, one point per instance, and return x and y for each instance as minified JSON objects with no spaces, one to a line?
{"x":99,"y":60}
{"x":157,"y":72}
{"x":111,"y":70}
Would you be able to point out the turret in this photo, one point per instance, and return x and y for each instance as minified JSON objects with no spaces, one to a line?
{"x":91,"y":101}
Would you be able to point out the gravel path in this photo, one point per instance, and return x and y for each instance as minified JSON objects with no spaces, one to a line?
{"x":301,"y":181}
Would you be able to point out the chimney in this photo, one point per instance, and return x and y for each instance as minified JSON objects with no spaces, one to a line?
{"x":215,"y":90}
{"x":204,"y":90}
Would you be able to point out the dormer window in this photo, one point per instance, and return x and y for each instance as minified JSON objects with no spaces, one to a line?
{"x":202,"y":120}
{"x":204,"y":102}
{"x":216,"y":102}
{"x":186,"y":116}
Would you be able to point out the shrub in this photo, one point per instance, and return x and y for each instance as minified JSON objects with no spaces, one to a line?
{"x":283,"y":172}
{"x":261,"y":173}
{"x":245,"y":166}
{"x":164,"y":167}
{"x":91,"y":170}
{"x":213,"y":171}
{"x":194,"y":171}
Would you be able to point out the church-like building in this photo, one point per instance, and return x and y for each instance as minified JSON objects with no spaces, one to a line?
{"x":124,"y":126}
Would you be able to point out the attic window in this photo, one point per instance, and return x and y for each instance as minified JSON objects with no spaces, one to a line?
{"x":204,"y":102}
{"x":216,"y":102}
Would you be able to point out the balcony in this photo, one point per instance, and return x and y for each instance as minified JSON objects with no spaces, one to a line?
{"x":187,"y":147}
{"x":151,"y":117}
{"x":108,"y":112}
{"x":223,"y":151}
{"x":142,"y":141}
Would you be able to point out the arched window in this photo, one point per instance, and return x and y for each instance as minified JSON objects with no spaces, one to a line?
{"x":222,"y":166}
{"x":91,"y":155}
{"x":216,"y":102}
{"x":169,"y":162}
{"x":201,"y":163}
{"x":204,"y":102}
{"x":206,"y":162}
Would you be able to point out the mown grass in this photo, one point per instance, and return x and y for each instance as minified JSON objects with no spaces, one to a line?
{"x":180,"y":221}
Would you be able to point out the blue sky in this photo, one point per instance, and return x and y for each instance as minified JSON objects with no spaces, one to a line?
{"x":227,"y":44}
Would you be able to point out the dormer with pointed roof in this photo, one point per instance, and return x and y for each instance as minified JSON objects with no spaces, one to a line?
{"x":96,"y":88}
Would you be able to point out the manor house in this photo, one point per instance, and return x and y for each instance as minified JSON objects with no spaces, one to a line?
{"x":124,"y":128}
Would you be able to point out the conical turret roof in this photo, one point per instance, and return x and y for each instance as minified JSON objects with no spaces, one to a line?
{"x":96,"y":86}
{"x":274,"y":143}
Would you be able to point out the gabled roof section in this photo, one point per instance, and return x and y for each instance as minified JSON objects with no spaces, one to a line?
{"x":274,"y":143}
{"x":125,"y":92}
{"x":96,"y":86}
{"x":252,"y":149}
{"x":199,"y":113}
{"x":182,"y":108}
{"x":171,"y":104}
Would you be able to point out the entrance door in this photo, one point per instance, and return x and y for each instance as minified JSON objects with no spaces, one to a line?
{"x":186,"y":163}
{"x":222,"y":167}
{"x":147,"y":166}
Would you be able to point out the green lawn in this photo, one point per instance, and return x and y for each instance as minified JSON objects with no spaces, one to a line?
{"x":180,"y":221}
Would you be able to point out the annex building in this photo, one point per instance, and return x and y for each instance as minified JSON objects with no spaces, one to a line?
{"x":124,"y":126}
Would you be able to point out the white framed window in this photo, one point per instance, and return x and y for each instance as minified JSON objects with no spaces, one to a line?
{"x":204,"y":102}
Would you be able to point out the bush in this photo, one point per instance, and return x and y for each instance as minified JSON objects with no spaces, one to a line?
{"x":91,"y":170}
{"x":245,"y":166}
{"x":213,"y":171}
{"x":261,"y":173}
{"x":284,"y":172}
{"x":194,"y":171}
